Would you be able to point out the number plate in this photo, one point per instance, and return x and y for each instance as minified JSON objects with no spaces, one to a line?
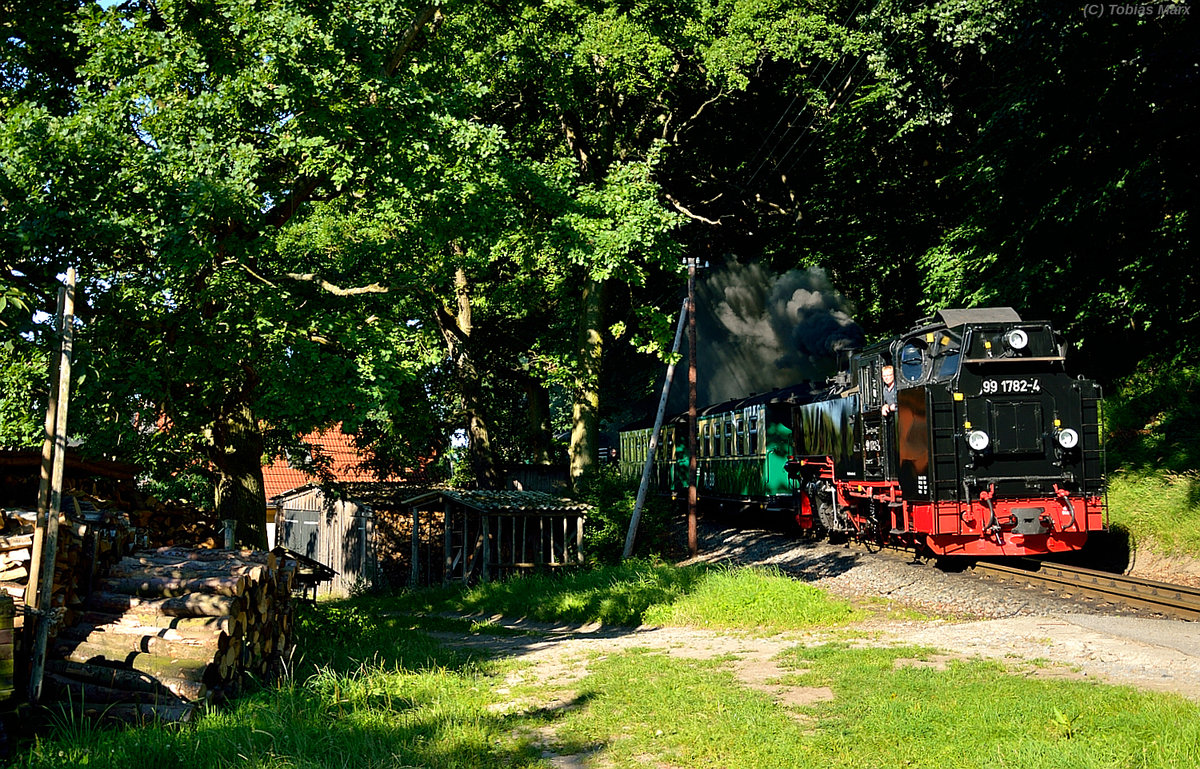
{"x":1024,"y":386}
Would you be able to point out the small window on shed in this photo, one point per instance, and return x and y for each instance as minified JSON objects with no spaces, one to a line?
{"x":754,"y":449}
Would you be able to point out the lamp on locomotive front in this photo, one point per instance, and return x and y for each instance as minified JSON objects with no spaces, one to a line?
{"x":1067,"y":438}
{"x":1016,"y":339}
{"x":978,"y":440}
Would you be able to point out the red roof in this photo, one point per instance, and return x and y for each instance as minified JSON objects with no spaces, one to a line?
{"x":344,"y":460}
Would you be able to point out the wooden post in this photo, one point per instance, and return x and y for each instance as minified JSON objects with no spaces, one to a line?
{"x":579,"y":538}
{"x":46,"y":535}
{"x":539,"y":556}
{"x":446,"y":537}
{"x":416,"y":553}
{"x":487,"y":549}
{"x":693,"y":479}
{"x":658,"y":420}
{"x":43,"y":500}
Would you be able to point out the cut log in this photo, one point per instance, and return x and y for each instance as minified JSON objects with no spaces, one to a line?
{"x":173,"y":587}
{"x":184,"y":606}
{"x":76,"y":691}
{"x":229,"y":625}
{"x":174,"y":648}
{"x":141,"y":714}
{"x":134,"y":568}
{"x":200,"y":671}
{"x":129,"y":679}
{"x":16,"y":542}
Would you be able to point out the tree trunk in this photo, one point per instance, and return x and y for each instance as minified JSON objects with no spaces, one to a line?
{"x":456,"y":331}
{"x":585,"y":430}
{"x":236,"y":450}
{"x":537,"y":414}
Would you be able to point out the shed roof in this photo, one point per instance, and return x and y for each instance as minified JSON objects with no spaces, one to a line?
{"x":508,"y":502}
{"x":344,"y":464}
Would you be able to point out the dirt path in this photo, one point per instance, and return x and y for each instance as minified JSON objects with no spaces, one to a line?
{"x":1127,"y":652}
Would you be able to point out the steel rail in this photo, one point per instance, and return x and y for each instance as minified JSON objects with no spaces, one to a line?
{"x":1178,"y":601}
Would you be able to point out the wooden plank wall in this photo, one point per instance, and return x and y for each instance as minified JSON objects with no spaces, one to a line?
{"x":345,"y":538}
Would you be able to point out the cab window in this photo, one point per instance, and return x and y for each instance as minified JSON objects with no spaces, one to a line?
{"x":913,"y":361}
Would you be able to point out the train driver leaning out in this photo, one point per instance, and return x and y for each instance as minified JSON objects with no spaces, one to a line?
{"x":888,"y":374}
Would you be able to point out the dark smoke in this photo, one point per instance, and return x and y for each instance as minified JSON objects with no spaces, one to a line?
{"x":760,"y":331}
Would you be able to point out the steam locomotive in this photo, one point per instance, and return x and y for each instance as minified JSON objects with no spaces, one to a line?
{"x":985,"y":447}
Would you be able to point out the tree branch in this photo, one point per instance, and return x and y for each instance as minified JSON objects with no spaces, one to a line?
{"x":679,"y":207}
{"x":405,"y":44}
{"x":332,"y":288}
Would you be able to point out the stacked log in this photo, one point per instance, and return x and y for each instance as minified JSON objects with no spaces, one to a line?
{"x":173,"y":627}
{"x":16,"y":559}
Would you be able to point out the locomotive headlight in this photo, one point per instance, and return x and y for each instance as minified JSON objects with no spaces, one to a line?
{"x":978,"y":440}
{"x":1067,"y":438}
{"x":1016,"y":339}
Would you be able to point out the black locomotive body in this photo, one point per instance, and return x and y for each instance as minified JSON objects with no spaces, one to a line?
{"x":990,"y":448}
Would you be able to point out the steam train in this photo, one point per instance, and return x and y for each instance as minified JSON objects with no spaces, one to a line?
{"x":990,"y":448}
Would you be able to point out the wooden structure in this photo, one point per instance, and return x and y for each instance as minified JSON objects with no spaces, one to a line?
{"x":477,"y":536}
{"x":338,"y":533}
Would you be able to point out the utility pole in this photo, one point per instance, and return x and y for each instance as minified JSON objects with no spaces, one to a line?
{"x":39,"y":591}
{"x":693,"y":539}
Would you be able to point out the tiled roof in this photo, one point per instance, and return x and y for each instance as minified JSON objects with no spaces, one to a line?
{"x":344,"y":459}
{"x":505,"y":502}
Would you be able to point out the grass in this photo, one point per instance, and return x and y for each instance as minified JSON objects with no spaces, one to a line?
{"x":375,"y":689}
{"x":644,"y":592}
{"x":1160,"y":509}
{"x":647,"y":708}
{"x":976,"y":714}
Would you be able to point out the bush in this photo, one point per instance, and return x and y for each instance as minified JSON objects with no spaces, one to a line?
{"x":613,"y":498}
{"x":1153,"y":417}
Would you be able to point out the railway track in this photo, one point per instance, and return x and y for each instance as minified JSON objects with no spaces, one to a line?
{"x":1175,"y":601}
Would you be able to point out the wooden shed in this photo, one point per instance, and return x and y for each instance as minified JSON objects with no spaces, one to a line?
{"x":337,"y":532}
{"x":472,"y":536}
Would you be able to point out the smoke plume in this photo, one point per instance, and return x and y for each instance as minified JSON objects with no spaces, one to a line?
{"x":760,"y":331}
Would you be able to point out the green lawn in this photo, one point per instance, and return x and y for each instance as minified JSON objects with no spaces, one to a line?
{"x":375,"y":689}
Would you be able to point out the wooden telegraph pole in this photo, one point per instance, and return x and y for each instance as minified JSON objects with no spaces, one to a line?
{"x":54,"y":456}
{"x":693,"y":540}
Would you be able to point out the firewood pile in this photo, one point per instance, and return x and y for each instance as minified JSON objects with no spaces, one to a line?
{"x":174,"y":627}
{"x":88,"y":540}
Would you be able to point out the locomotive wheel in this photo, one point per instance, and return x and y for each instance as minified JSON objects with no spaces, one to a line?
{"x":821,"y":495}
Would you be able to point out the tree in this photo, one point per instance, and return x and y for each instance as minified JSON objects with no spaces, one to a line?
{"x":199,"y":135}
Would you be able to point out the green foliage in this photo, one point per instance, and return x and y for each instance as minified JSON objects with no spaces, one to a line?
{"x":1160,"y":510}
{"x":23,"y":397}
{"x":884,"y":706}
{"x":1153,"y":416}
{"x":612,"y":595}
{"x":613,"y":497}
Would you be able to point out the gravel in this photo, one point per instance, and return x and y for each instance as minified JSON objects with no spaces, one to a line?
{"x":849,"y":571}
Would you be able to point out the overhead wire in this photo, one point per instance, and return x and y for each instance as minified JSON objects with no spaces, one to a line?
{"x":850,"y":88}
{"x":787,"y":109}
